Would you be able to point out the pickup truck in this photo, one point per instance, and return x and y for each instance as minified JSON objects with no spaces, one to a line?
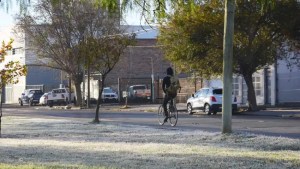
{"x":59,"y":96}
{"x":139,"y":91}
{"x":30,"y":97}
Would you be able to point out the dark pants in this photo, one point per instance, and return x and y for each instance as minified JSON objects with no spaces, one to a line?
{"x":166,"y":100}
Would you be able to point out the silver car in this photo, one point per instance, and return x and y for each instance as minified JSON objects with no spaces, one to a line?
{"x":108,"y":95}
{"x":209,"y":100}
{"x":44,"y":99}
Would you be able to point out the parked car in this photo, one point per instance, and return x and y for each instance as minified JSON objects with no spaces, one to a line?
{"x":108,"y":95}
{"x":139,"y":91}
{"x":209,"y":100}
{"x":44,"y":99}
{"x":30,"y":97}
{"x":59,"y":96}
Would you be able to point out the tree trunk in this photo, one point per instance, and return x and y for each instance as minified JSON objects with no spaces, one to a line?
{"x":227,"y":65}
{"x":78,"y":93}
{"x":251,"y":93}
{"x":100,"y":87}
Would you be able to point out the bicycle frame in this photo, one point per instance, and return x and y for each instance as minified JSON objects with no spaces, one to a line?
{"x":172,"y":113}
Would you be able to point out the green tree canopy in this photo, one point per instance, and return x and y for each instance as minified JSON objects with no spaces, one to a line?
{"x":193,"y":38}
{"x":189,"y":38}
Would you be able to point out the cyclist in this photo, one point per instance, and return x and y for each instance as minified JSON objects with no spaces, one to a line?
{"x":170,"y":85}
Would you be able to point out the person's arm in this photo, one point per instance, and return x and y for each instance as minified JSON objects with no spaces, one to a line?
{"x":179,"y":86}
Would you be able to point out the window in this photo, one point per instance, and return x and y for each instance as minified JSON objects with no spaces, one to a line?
{"x":198,"y":93}
{"x":205,"y":92}
{"x":107,"y":91}
{"x":217,"y":91}
{"x":16,"y":51}
{"x":235,"y":86}
{"x":139,"y":87}
{"x":257,"y":85}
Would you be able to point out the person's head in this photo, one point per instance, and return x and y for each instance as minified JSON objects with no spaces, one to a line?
{"x":170,"y":71}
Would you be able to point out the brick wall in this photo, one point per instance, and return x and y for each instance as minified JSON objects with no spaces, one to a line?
{"x":136,"y":63}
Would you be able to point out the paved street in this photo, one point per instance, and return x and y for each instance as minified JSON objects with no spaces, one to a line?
{"x":272,"y":122}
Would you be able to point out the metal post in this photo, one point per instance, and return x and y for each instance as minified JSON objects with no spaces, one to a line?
{"x":266,"y":92}
{"x":88,"y":87}
{"x":152,"y":80}
{"x":83,"y":89}
{"x":70,"y":91}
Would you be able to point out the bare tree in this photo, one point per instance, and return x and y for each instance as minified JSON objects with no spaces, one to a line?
{"x":57,"y":31}
{"x":104,"y":53}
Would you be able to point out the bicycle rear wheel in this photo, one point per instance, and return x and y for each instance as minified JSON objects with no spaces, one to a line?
{"x":160,"y":115}
{"x":173,"y":116}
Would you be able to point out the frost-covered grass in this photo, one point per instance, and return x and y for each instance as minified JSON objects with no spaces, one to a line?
{"x":55,"y":143}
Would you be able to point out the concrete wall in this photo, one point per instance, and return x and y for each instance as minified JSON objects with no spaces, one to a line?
{"x":288,"y":83}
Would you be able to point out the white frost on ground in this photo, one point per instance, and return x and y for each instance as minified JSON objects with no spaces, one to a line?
{"x":80,"y":143}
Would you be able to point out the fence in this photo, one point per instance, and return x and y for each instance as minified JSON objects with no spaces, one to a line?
{"x":126,"y":86}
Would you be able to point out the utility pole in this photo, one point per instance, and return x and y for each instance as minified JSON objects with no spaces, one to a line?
{"x":227,"y":65}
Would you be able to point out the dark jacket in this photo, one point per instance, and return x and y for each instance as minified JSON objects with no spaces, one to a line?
{"x":166,"y":83}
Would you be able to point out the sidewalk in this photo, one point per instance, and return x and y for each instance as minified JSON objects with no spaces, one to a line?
{"x":143,"y":107}
{"x":284,"y":112}
{"x":276,"y":112}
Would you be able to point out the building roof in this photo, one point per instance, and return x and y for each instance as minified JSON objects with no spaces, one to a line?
{"x":142,"y":31}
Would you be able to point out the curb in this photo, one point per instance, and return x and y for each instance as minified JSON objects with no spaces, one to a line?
{"x":290,"y":115}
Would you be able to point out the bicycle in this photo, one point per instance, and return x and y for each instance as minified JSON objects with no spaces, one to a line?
{"x":172,"y":112}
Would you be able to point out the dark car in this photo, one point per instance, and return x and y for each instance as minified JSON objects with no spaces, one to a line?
{"x":31,"y":97}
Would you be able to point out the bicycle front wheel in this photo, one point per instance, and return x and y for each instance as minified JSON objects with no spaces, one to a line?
{"x":173,"y":116}
{"x":160,"y":115}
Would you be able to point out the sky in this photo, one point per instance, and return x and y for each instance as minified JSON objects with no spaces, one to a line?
{"x":131,"y":18}
{"x":7,"y":18}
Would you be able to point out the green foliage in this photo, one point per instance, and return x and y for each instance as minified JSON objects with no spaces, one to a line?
{"x":110,"y":5}
{"x":193,"y":37}
{"x":194,"y":42}
{"x":290,"y":28}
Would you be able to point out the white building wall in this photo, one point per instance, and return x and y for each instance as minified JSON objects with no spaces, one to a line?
{"x":216,"y":82}
{"x":288,"y":83}
{"x":13,"y":91}
{"x":94,"y":89}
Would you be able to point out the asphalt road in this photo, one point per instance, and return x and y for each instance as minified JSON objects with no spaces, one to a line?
{"x":284,"y":123}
